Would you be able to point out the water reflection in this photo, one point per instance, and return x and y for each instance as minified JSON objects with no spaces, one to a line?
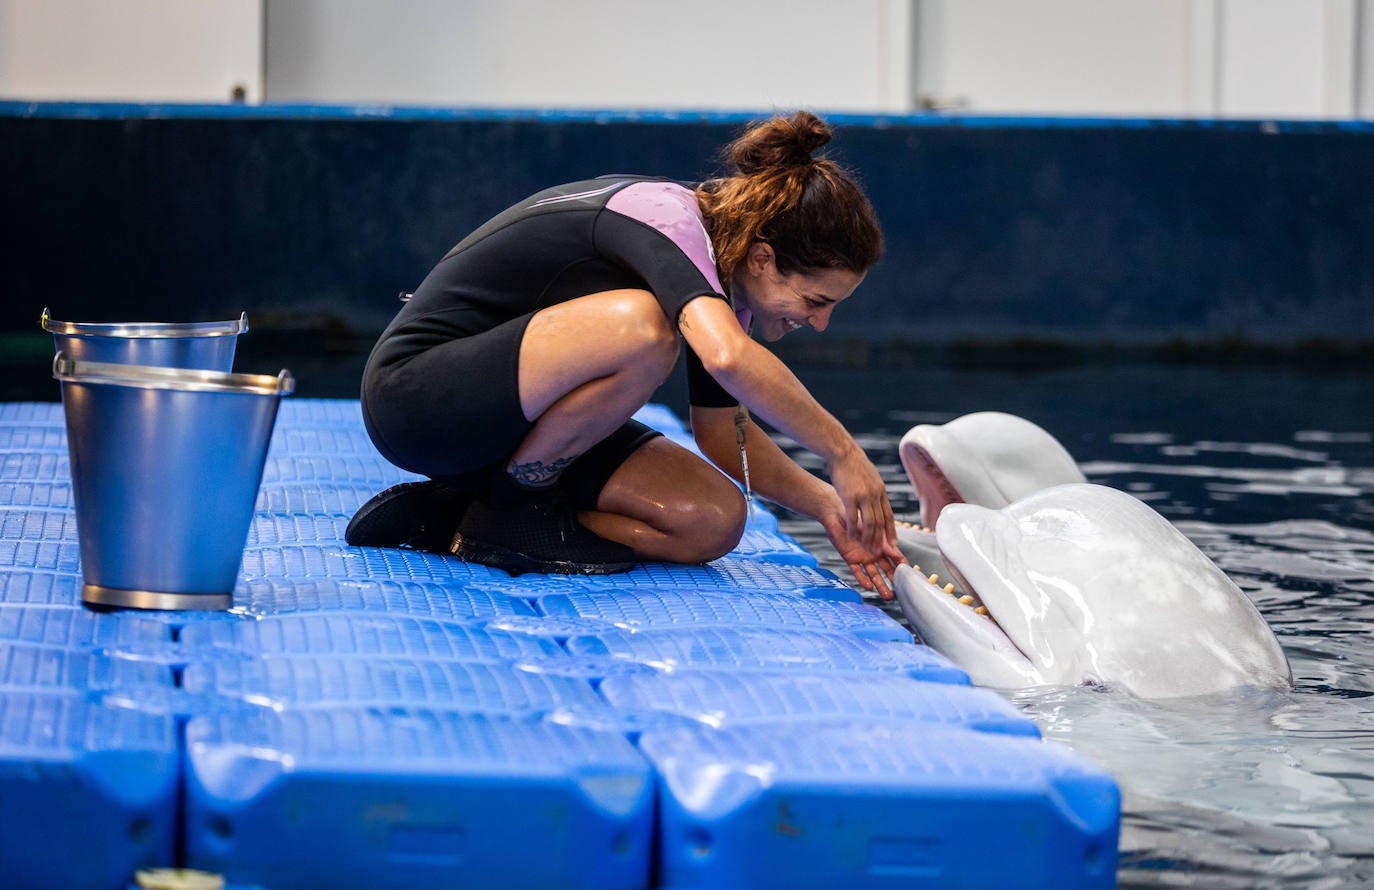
{"x":1271,"y":473}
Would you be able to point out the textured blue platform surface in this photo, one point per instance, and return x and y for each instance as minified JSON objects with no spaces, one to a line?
{"x":878,"y":804}
{"x":369,"y":718}
{"x":414,"y":797}
{"x":89,"y":792}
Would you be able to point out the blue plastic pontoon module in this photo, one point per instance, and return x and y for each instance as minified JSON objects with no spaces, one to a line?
{"x":36,"y":524}
{"x":331,"y":469}
{"x":372,"y":636}
{"x":51,"y":668}
{"x":707,"y":608}
{"x":721,"y":698}
{"x":754,"y":648}
{"x":308,"y":498}
{"x":338,"y":561}
{"x":20,"y":587}
{"x":331,"y":681}
{"x":878,"y":804}
{"x":377,"y":717}
{"x":417,"y":798}
{"x":75,"y":628}
{"x":729,"y":574}
{"x":32,"y":437}
{"x":423,"y":599}
{"x":62,"y":557}
{"x":32,"y":414}
{"x":35,"y":466}
{"x":89,"y":792}
{"x":57,"y":495}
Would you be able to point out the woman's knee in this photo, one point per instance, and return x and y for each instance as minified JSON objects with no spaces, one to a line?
{"x":711,"y":526}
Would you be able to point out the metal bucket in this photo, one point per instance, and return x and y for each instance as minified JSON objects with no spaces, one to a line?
{"x":205,"y":345}
{"x":166,"y":464}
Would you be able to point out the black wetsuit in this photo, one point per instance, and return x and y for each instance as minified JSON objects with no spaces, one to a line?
{"x":440,"y":393}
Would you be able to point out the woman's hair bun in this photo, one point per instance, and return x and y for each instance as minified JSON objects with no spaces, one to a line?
{"x":779,"y":142}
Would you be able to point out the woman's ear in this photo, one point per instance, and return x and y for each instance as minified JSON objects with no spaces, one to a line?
{"x":760,"y":257}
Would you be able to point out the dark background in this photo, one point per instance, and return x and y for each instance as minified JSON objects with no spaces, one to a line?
{"x":1047,"y":239}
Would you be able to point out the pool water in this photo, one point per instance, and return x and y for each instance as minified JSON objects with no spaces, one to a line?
{"x":1270,"y":471}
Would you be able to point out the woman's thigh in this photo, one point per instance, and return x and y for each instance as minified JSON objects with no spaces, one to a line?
{"x":452,"y":408}
{"x":591,"y":338}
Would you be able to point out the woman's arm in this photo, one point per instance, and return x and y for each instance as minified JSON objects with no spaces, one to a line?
{"x":776,"y":477}
{"x":756,"y":377}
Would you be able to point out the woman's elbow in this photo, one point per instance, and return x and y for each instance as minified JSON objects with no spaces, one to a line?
{"x":722,"y":361}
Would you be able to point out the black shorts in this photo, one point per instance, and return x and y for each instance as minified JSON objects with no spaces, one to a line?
{"x":452,"y":412}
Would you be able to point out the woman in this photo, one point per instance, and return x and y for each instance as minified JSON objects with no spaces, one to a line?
{"x":510,"y":376}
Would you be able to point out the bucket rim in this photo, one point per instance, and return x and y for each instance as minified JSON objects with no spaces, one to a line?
{"x":145,"y":329}
{"x":69,"y":370}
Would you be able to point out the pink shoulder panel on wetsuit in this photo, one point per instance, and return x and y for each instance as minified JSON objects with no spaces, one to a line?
{"x":673,"y":210}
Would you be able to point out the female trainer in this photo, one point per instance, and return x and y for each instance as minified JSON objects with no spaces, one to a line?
{"x":510,"y":376}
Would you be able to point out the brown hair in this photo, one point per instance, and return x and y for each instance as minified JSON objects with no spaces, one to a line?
{"x":810,"y":210}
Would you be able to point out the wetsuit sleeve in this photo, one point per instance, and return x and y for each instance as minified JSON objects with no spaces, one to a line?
{"x":702,"y":389}
{"x":655,"y":230}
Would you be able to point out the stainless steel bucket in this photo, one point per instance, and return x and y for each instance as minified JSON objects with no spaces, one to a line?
{"x":205,"y":345}
{"x":166,"y":464}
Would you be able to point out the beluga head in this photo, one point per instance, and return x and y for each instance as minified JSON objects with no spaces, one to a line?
{"x":988,"y":458}
{"x":1080,"y":583}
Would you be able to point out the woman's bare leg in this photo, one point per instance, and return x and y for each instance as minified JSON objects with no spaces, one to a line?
{"x":666,"y":503}
{"x":585,"y":367}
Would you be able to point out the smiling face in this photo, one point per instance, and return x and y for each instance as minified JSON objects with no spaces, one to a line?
{"x":782,"y":303}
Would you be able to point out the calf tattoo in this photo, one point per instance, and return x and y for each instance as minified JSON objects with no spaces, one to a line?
{"x":536,"y":473}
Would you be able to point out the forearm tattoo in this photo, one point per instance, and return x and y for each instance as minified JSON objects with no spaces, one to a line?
{"x":536,"y":473}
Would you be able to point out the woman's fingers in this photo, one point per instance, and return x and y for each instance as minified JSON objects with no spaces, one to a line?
{"x":860,"y":572}
{"x":882,"y":581}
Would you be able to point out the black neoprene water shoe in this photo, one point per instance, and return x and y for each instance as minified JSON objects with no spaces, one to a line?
{"x":520,"y":530}
{"x":420,"y":515}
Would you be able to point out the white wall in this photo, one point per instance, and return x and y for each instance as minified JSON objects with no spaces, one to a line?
{"x":1209,"y":58}
{"x":1364,"y":59}
{"x":726,"y":54}
{"x":1286,"y":58}
{"x":138,"y":50}
{"x":1130,"y":57}
{"x":1224,"y":58}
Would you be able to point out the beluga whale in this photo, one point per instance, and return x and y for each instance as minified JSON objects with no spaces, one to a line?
{"x":1069,"y":583}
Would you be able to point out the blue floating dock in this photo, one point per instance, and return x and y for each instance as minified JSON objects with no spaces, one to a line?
{"x":89,"y":791}
{"x":367,"y":718}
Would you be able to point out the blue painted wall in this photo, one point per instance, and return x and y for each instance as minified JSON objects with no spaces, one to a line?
{"x":1130,"y":232}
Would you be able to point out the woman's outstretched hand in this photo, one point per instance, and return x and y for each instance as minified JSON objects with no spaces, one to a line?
{"x":867,"y":511}
{"x":873,"y":569}
{"x":862,"y":530}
